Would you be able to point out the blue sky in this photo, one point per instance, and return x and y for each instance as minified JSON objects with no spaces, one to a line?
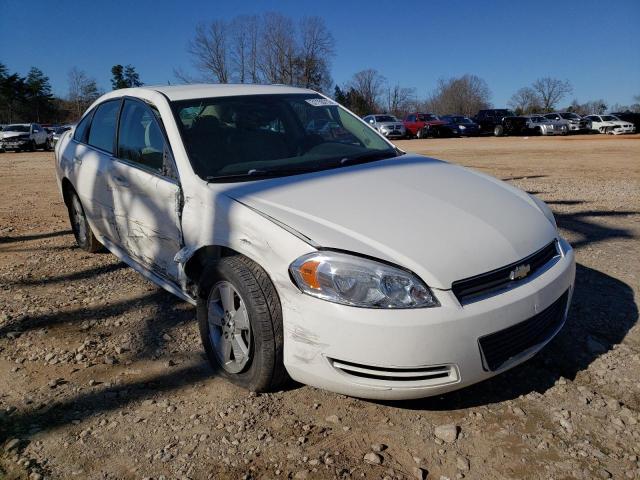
{"x":593,"y":44}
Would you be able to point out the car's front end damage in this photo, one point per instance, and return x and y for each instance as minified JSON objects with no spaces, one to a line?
{"x":478,"y":324}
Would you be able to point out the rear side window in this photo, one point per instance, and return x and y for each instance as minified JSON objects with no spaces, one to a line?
{"x":103,"y":126}
{"x":140,"y":139}
{"x":80,"y":135}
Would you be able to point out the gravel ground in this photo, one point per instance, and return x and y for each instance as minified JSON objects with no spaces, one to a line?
{"x":102,"y":373}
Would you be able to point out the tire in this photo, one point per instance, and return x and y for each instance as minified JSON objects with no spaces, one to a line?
{"x":419,"y":134}
{"x":257,"y":336}
{"x":82,"y":232}
{"x":498,"y":130}
{"x":564,"y":130}
{"x":48,"y":146}
{"x":538,"y":131}
{"x":32,"y":146}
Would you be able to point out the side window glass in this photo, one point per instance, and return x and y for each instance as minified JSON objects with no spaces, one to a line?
{"x":103,"y":126}
{"x":140,"y":139}
{"x":80,"y":135}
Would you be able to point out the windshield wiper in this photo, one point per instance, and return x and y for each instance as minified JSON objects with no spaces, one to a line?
{"x":254,"y":174}
{"x":368,"y":157}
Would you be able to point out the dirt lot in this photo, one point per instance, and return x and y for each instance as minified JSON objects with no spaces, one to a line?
{"x":102,"y":373}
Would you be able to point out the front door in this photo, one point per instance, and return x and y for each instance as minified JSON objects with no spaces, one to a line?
{"x":146,"y":191}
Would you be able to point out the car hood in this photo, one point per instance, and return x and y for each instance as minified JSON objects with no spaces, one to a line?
{"x":441,"y":221}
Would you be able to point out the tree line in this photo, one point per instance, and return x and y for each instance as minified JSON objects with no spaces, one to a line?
{"x":30,"y":99}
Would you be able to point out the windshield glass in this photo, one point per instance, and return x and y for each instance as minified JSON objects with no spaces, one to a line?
{"x":426,"y":117}
{"x":538,"y":119}
{"x":386,"y":118}
{"x":16,"y":128}
{"x":608,"y":118}
{"x":62,"y":129}
{"x":570,"y":116}
{"x":273,"y":135}
{"x":458,"y":119}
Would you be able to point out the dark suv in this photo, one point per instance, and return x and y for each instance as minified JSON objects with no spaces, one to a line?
{"x":491,"y":120}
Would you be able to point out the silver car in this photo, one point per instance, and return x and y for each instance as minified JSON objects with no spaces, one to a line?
{"x":568,"y":122}
{"x":387,"y":125}
{"x":541,"y":125}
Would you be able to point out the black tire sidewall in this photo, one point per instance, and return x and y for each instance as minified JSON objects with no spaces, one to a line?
{"x":259,"y":372}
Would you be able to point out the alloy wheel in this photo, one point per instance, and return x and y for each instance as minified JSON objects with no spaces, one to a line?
{"x":229,"y":327}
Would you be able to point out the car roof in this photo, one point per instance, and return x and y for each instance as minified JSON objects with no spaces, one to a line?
{"x":206,"y":90}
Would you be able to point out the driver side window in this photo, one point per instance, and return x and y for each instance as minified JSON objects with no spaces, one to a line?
{"x":140,"y":139}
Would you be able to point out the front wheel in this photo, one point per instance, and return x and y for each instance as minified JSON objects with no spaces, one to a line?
{"x":240,"y":321}
{"x":498,"y":131}
{"x":419,"y":133}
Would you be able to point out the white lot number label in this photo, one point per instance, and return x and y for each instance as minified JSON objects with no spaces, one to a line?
{"x":320,"y":102}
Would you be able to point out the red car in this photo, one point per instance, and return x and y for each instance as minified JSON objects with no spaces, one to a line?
{"x":414,"y":123}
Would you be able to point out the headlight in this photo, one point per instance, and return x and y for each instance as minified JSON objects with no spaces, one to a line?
{"x":462,"y":127}
{"x":351,"y":280}
{"x":545,"y":210}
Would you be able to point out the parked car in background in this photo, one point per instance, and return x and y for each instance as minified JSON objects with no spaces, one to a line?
{"x":418,"y":124}
{"x":59,"y":131}
{"x":630,"y":117}
{"x":455,"y":126}
{"x":568,"y":122}
{"x":601,"y":123}
{"x":387,"y":125}
{"x":218,"y":194}
{"x":25,"y":136}
{"x":540,"y":125}
{"x":490,"y":120}
{"x":623,"y":126}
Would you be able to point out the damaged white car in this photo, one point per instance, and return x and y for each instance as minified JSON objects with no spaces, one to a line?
{"x":327,"y":256}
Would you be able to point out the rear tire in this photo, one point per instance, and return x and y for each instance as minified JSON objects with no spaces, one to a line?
{"x":82,"y":232}
{"x":498,"y":130}
{"x":248,"y":353}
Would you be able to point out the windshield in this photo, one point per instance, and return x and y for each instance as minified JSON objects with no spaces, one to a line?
{"x":273,"y":135}
{"x":386,"y":118}
{"x":16,"y":128}
{"x":608,"y":118}
{"x":538,"y":119}
{"x":62,"y":129}
{"x":570,"y":116}
{"x":426,"y":117}
{"x":458,"y":119}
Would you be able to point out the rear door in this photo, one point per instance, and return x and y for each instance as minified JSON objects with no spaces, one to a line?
{"x":90,"y":153}
{"x":146,"y":190}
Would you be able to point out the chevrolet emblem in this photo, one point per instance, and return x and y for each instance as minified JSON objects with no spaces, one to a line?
{"x":519,"y":272}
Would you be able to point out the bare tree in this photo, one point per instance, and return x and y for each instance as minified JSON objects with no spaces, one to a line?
{"x":463,"y":95}
{"x":317,"y":46}
{"x":278,"y":53}
{"x":83,"y":90}
{"x":400,"y":99}
{"x":525,"y":101}
{"x":243,"y":49}
{"x":551,"y":91}
{"x":209,"y":50}
{"x":369,"y":85}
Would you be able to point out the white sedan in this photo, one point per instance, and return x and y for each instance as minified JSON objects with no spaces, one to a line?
{"x":610,"y":124}
{"x":337,"y":260}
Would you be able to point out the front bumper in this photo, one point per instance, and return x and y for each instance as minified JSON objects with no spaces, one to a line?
{"x":420,"y":352}
{"x":11,"y":143}
{"x":394,"y":133}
